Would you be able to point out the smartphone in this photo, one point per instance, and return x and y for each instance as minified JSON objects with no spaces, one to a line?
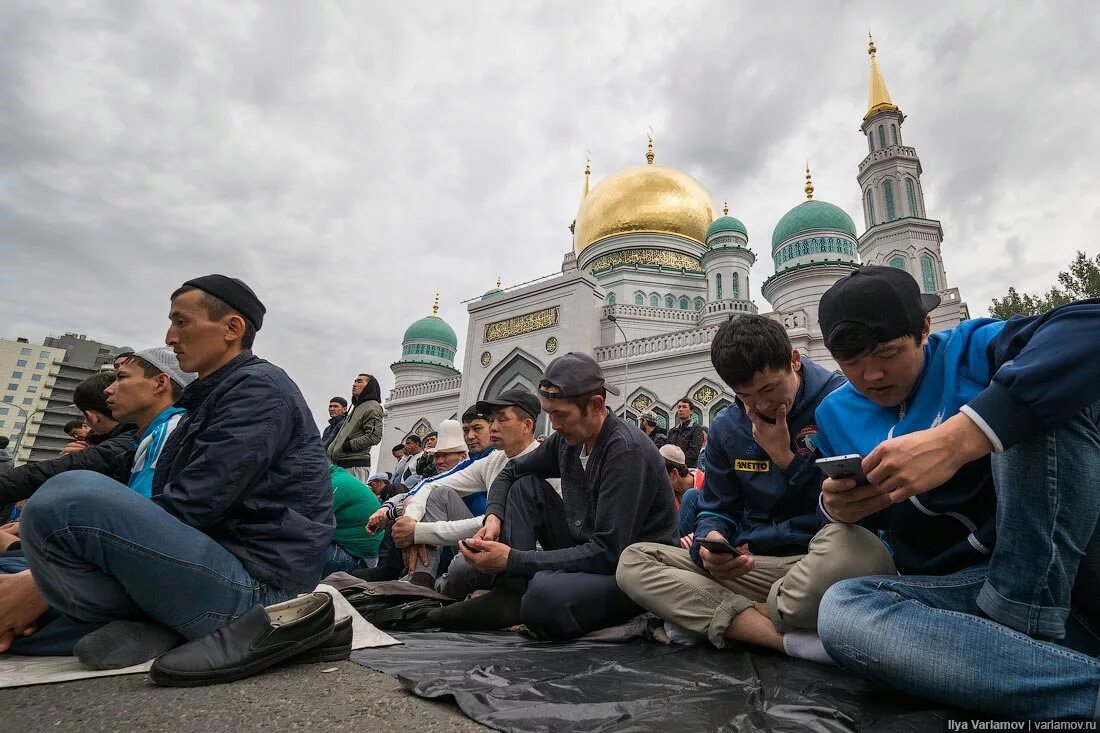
{"x":469,"y":548}
{"x":850,"y":466}
{"x":719,"y":546}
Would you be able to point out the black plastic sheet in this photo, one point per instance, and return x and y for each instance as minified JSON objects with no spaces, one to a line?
{"x":515,"y":684}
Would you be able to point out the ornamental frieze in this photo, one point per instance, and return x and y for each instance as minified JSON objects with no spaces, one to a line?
{"x":519,"y":325}
{"x":661,"y":257}
{"x":641,"y":403}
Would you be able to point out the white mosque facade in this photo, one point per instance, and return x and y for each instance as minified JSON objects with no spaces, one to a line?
{"x":652,"y":275}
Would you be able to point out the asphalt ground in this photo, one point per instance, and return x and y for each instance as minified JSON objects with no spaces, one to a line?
{"x":338,"y":696}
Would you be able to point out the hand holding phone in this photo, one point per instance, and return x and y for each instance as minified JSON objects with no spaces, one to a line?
{"x":470,"y":548}
{"x":719,"y":546}
{"x":844,"y":467}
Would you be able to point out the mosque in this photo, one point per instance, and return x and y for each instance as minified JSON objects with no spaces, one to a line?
{"x":653,"y":273}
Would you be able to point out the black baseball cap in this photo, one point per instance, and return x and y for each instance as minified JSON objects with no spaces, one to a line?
{"x":516,"y":397}
{"x":575,"y":374}
{"x":886,"y":300}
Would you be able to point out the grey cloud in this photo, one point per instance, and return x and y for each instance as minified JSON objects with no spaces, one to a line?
{"x":349,"y":160}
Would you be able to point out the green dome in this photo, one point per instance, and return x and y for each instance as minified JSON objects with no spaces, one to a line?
{"x":811,"y":216}
{"x":727,"y":224}
{"x":432,"y":328}
{"x":492,"y":293}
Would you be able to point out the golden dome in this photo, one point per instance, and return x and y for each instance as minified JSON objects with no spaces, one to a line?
{"x":644,"y":198}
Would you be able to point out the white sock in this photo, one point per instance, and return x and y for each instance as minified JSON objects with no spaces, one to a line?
{"x":679,"y":635}
{"x":806,"y":645}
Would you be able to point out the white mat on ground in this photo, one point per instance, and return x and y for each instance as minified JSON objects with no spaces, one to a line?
{"x":16,"y":671}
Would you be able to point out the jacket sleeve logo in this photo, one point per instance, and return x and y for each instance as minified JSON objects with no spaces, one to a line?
{"x":744,"y":464}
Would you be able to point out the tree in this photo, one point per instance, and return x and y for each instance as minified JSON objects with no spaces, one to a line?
{"x":1082,"y":280}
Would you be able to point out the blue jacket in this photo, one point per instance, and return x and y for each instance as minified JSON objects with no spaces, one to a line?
{"x":474,"y":502}
{"x":746,"y":497}
{"x":1015,"y":379}
{"x":246,"y":467}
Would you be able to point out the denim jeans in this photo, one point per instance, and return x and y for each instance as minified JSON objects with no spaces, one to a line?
{"x":689,"y":512}
{"x":926,"y":635}
{"x":100,"y":552}
{"x":340,"y":560}
{"x":1048,"y":506}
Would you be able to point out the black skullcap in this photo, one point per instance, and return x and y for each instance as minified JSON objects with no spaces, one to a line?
{"x":235,"y":294}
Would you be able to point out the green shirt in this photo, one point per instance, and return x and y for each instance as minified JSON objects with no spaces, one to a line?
{"x":353,"y":503}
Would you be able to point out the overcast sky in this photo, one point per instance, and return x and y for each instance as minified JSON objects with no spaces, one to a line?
{"x":349,"y":160}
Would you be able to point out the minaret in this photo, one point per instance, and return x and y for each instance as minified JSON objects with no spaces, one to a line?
{"x":899,"y":232}
{"x":427,"y":351}
{"x":727,"y":262}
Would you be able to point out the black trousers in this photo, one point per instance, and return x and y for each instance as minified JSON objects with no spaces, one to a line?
{"x":557,"y":603}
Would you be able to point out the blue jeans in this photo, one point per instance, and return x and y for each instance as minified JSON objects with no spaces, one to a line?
{"x":689,"y":512}
{"x":933,"y":635}
{"x":926,"y":635}
{"x":1048,"y":505}
{"x":100,"y":552}
{"x":340,"y":560}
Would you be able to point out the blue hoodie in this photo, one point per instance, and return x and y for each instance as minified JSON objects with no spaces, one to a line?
{"x":746,"y":497}
{"x":1014,"y":379}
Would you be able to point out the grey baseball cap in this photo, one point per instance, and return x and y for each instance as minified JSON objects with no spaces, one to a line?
{"x":164,"y":358}
{"x":575,"y":374}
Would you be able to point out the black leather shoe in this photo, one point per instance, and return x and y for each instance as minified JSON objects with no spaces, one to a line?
{"x":337,"y":648}
{"x":259,"y":639}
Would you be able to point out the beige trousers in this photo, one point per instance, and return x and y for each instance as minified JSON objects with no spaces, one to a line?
{"x":664,"y":580}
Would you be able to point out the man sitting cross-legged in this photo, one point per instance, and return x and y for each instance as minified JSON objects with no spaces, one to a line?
{"x":982,"y":448}
{"x":441,"y":512}
{"x":142,"y":393}
{"x":614,"y":492}
{"x":760,"y":497}
{"x":242,"y":503}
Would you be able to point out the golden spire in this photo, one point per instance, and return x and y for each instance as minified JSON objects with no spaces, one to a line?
{"x":649,"y":150}
{"x":809,"y":188}
{"x":587,"y":173}
{"x":878,"y":99}
{"x":435,"y":306}
{"x":498,"y":282}
{"x":725,"y":208}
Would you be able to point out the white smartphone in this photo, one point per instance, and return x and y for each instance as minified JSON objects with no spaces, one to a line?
{"x":850,"y":466}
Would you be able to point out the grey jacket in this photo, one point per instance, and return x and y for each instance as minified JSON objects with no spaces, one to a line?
{"x":361,"y":432}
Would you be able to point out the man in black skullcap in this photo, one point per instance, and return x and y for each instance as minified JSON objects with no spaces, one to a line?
{"x":241,"y":511}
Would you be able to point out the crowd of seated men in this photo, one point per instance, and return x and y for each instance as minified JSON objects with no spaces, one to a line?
{"x":198,"y":507}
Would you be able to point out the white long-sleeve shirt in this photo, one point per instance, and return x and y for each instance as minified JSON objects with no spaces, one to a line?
{"x":478,"y":476}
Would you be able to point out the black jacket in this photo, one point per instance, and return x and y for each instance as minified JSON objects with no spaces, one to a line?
{"x":246,"y":467}
{"x":333,"y":427}
{"x":112,"y":456}
{"x":624,"y":496}
{"x":690,"y":440}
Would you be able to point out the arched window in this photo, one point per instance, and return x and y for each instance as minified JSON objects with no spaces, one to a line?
{"x":888,"y":197}
{"x":911,"y":196}
{"x":898,"y":263}
{"x":735,"y":287}
{"x":699,"y":303}
{"x":718,"y":286}
{"x":611,"y":298}
{"x":881,"y":136}
{"x":639,"y":298}
{"x":654,"y":300}
{"x":685,"y":304}
{"x":870,"y":209}
{"x":928,"y":273}
{"x":894,"y":133}
{"x":870,"y":143}
{"x":670,"y":302}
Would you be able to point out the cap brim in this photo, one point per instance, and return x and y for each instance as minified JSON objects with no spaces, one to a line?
{"x":930,"y":301}
{"x":609,"y":388}
{"x":486,"y":407}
